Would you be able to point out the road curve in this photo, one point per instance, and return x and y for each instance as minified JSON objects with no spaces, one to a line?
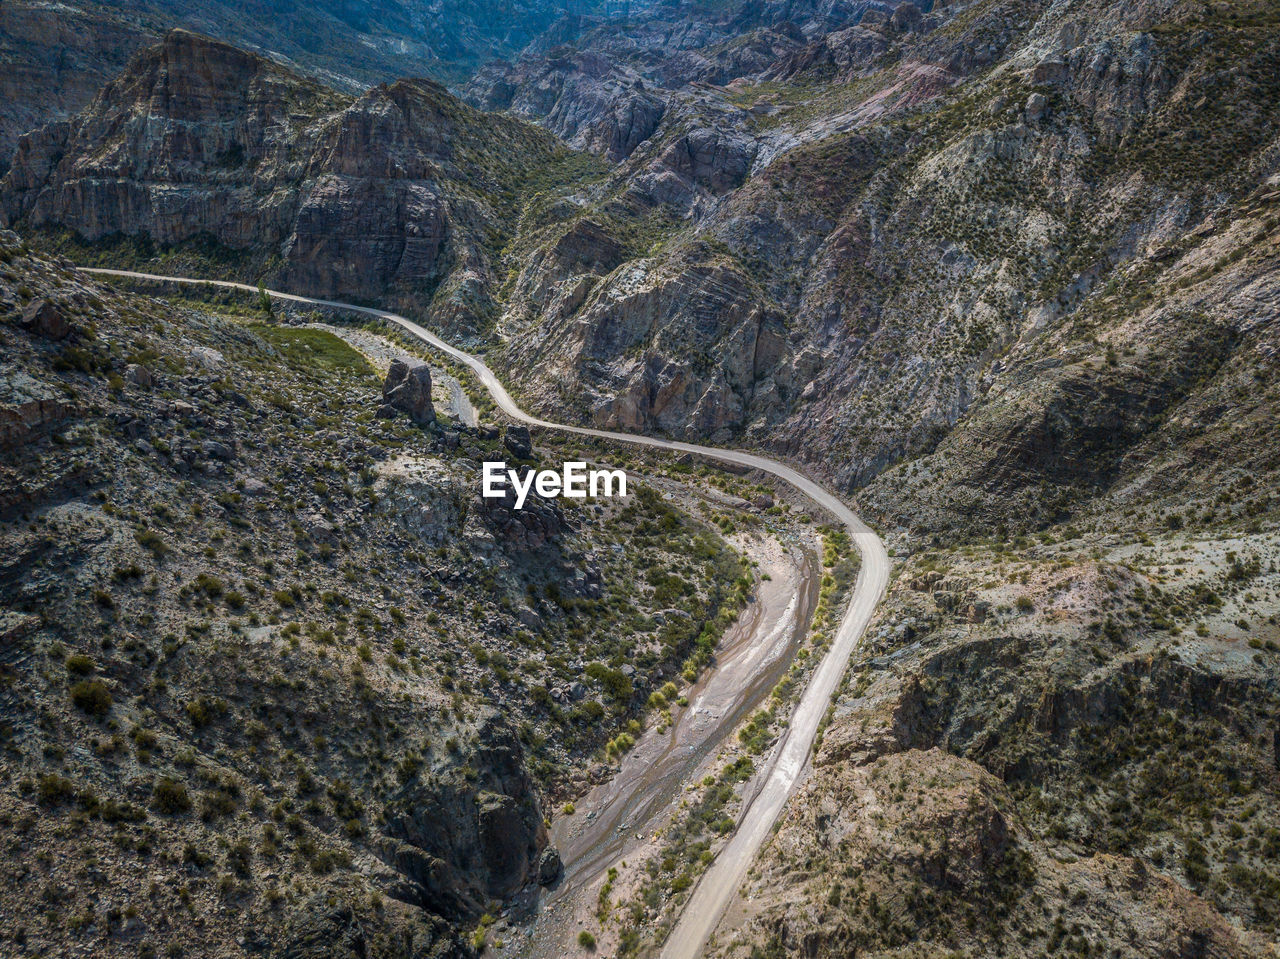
{"x":722,"y":879}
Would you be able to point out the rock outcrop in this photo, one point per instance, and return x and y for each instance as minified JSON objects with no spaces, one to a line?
{"x":380,"y":196}
{"x":407,"y":389}
{"x":56,"y":59}
{"x":464,"y":843}
{"x":46,"y":319}
{"x":538,"y":523}
{"x":28,"y":408}
{"x":517,"y":440}
{"x":586,"y":100}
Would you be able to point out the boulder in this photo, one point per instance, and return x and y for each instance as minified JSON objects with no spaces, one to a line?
{"x":208,"y":357}
{"x":47,"y":319}
{"x":549,"y":866}
{"x":518,"y":441}
{"x":138,"y":375}
{"x":407,"y":389}
{"x":318,"y":529}
{"x":1037,"y":107}
{"x":217,"y":451}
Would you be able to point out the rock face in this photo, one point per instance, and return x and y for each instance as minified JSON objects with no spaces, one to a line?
{"x":28,"y":408}
{"x":376,"y":197}
{"x":46,"y":319}
{"x":407,"y":389}
{"x":57,"y":58}
{"x":634,"y":346}
{"x":585,"y":99}
{"x":518,"y":441}
{"x":229,"y":119}
{"x":462,"y":843}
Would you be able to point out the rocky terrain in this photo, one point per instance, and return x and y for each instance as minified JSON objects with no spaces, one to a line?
{"x":1064,"y":745}
{"x":1003,"y":271}
{"x":402,"y":194}
{"x":274,"y":676}
{"x":58,"y":55}
{"x":845,"y":255}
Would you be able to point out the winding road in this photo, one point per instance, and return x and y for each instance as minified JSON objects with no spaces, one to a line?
{"x":722,"y":879}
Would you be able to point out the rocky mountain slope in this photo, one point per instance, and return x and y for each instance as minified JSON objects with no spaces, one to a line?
{"x":265,"y":646}
{"x":56,"y":58}
{"x":58,"y":55}
{"x":929,"y":225}
{"x":1064,"y":745}
{"x":1005,"y":271}
{"x":401,"y":194}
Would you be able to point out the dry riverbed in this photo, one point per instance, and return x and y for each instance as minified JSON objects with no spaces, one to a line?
{"x":622,"y":820}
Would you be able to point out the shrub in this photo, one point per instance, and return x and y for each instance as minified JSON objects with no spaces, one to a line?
{"x":203,"y":710}
{"x":170,"y":797}
{"x":211,"y":586}
{"x":91,"y":697}
{"x":151,"y":540}
{"x":79,"y":664}
{"x":587,"y":941}
{"x":144,"y":738}
{"x":54,"y":789}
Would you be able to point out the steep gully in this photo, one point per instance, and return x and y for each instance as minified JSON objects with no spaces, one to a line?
{"x":720,"y":882}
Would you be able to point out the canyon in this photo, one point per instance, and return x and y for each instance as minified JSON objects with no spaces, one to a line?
{"x":1000,"y":276}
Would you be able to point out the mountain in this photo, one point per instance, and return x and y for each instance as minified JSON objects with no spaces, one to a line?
{"x":920,"y":223}
{"x":56,"y":59}
{"x":401,"y":194}
{"x":58,"y":56}
{"x":1003,"y":272}
{"x":264,"y":643}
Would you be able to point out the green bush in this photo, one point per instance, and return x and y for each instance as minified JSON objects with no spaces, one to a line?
{"x":203,"y":710}
{"x":153,"y":541}
{"x":54,"y":789}
{"x":170,"y":797}
{"x":92,"y":697}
